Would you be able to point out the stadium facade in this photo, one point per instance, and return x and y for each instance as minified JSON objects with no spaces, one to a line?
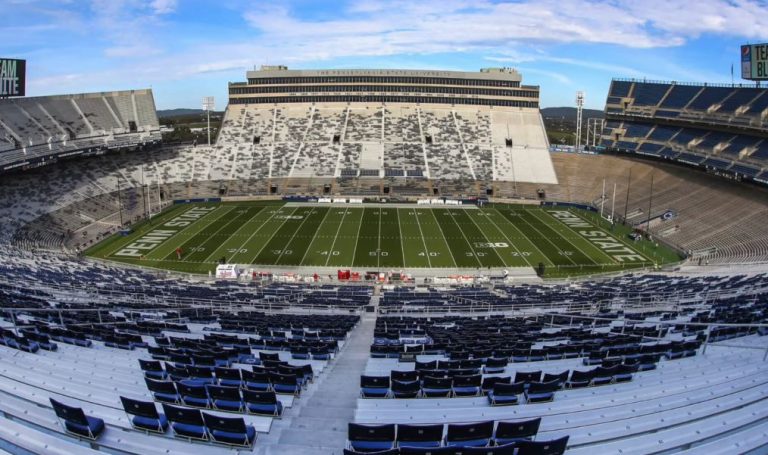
{"x":441,"y":125}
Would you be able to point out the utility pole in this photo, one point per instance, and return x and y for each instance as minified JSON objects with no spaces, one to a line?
{"x":626,"y":204}
{"x":119,"y":201}
{"x":208,"y":106}
{"x":650,"y":206}
{"x":579,"y":107}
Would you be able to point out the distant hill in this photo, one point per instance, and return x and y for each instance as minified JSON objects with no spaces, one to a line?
{"x":569,"y":113}
{"x":178,"y":112}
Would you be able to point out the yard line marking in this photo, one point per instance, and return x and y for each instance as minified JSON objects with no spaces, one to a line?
{"x":547,"y":239}
{"x":445,"y":239}
{"x":561,"y":224}
{"x":378,"y":250}
{"x":333,"y":244}
{"x":311,"y":211}
{"x":546,"y":258}
{"x":273,"y":234}
{"x":275,"y":212}
{"x":474,"y":253}
{"x":424,"y":242}
{"x":357,"y":238}
{"x":236,"y":231}
{"x":207,"y":237}
{"x":503,"y":234}
{"x":196,"y":232}
{"x":313,"y":237}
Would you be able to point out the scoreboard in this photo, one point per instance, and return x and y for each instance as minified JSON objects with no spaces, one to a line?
{"x":754,"y":62}
{"x":13,"y":77}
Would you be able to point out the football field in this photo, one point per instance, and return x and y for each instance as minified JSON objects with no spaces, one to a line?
{"x":196,"y":237}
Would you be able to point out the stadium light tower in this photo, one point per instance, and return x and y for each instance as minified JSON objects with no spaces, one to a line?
{"x":208,"y":106}
{"x":579,"y":107}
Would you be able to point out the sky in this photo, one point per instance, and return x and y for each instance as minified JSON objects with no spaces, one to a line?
{"x":187,"y":49}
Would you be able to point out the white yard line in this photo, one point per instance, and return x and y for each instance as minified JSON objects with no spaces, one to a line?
{"x":546,"y":258}
{"x":333,"y":244}
{"x":273,"y":234}
{"x":548,"y":240}
{"x":313,"y":237}
{"x":423,"y":241}
{"x":505,"y":236}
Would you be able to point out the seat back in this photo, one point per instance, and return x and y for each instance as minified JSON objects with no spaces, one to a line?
{"x":419,"y":433}
{"x":469,"y":431}
{"x":223,"y":393}
{"x":229,"y":424}
{"x":359,"y":432}
{"x":543,"y":387}
{"x":502,"y":389}
{"x":554,"y":447}
{"x":69,"y":413}
{"x":183,"y":415}
{"x":258,"y":397}
{"x":522,"y":429}
{"x":192,"y":389}
{"x":381,"y":382}
{"x":160,"y":386}
{"x":528,"y":376}
{"x":437,"y":383}
{"x":228,"y":373}
{"x":139,"y":408}
{"x":472,"y":380}
{"x":150,"y":365}
{"x":403,"y":376}
{"x":489,"y":381}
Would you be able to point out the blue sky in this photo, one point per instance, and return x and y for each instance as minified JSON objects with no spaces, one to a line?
{"x":187,"y":49}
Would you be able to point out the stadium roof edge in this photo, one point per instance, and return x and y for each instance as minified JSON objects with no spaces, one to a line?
{"x":695,"y":84}
{"x":143,"y":91}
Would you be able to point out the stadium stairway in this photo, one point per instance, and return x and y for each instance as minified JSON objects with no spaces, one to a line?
{"x":318,"y":421}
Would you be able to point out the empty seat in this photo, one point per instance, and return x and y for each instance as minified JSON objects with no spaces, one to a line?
{"x":153,"y":369}
{"x":467,"y":385}
{"x":490,"y":381}
{"x":144,"y":416}
{"x":404,"y":376}
{"x":229,"y":377}
{"x":505,"y":394}
{"x":469,"y":434}
{"x":229,"y":430}
{"x":262,"y":403}
{"x":554,"y":447}
{"x":527,"y":376}
{"x":76,"y":422}
{"x":186,"y":423}
{"x":193,"y":394}
{"x":507,"y":432}
{"x":420,"y":435}
{"x":495,"y":365}
{"x":436,"y":387}
{"x":541,"y":391}
{"x":408,"y":389}
{"x":164,"y":391}
{"x":371,"y":438}
{"x":580,"y":379}
{"x":225,"y":398}
{"x":374,"y":386}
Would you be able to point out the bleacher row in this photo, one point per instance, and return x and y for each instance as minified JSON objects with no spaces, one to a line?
{"x":47,"y":127}
{"x":719,"y":128}
{"x":461,"y":143}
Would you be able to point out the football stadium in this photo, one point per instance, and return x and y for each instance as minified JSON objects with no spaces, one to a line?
{"x":386,"y":261}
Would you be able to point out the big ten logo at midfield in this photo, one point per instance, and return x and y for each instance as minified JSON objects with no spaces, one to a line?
{"x":151,"y":240}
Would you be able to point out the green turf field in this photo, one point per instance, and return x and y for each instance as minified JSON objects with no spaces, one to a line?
{"x":379,"y":237}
